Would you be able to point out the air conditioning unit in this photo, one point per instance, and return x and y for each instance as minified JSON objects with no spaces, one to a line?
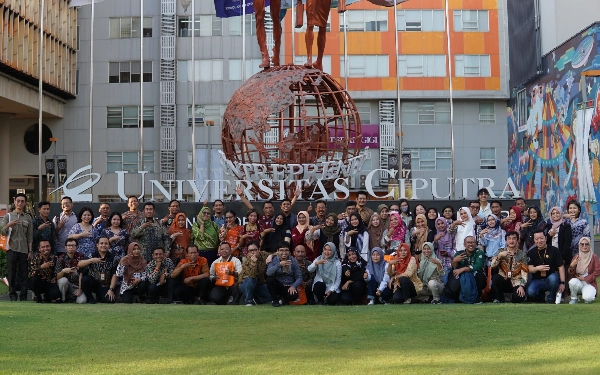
{"x":361,"y":181}
{"x":354,"y":182}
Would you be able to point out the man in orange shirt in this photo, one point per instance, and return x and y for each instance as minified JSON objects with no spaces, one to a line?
{"x":194,"y":282}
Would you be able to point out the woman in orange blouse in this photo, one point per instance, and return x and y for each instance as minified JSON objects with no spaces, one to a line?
{"x":231,"y":232}
{"x":180,"y":235}
{"x":404,"y":281}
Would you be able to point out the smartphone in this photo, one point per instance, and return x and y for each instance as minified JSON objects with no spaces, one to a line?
{"x":149,"y":220}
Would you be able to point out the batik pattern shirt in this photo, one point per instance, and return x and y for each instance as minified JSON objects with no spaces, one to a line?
{"x":47,"y":274}
{"x":103,"y":272}
{"x":153,"y":273}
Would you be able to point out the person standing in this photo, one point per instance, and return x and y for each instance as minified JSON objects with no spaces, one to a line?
{"x":361,"y":206}
{"x":64,"y":223}
{"x":168,"y":220}
{"x":20,"y":226}
{"x":103,"y":221}
{"x":133,"y":216}
{"x":150,"y":234}
{"x":205,"y":235}
{"x":43,"y":230}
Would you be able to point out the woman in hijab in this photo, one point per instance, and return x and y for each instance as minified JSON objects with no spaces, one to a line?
{"x":559,"y":234}
{"x":355,"y":235}
{"x":181,"y":237}
{"x":132,"y":267}
{"x":328,"y":276}
{"x":464,"y":227}
{"x":430,"y":273}
{"x":205,"y":234}
{"x":515,"y":220}
{"x":444,"y":243}
{"x":536,"y":221}
{"x":394,"y":236}
{"x":354,"y":278}
{"x":579,"y":226}
{"x":384,"y":213}
{"x":492,"y":238}
{"x":299,"y":234}
{"x":420,"y":234}
{"x":375,"y":229}
{"x":586,"y":268}
{"x":404,"y":281}
{"x":419,"y":210}
{"x":330,"y":232}
{"x":378,"y":278}
{"x":270,"y":237}
{"x":432,"y":215}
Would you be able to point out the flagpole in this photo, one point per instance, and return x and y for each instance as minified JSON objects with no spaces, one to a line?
{"x":141,"y":120}
{"x":451,"y":101}
{"x":91,"y":80}
{"x":397,"y":80}
{"x":193,"y":95}
{"x":41,"y":97}
{"x":346,"y":63}
{"x":243,"y":40}
{"x":293,"y":39}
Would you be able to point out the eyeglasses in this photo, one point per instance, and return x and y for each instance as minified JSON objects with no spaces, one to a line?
{"x":228,"y":217}
{"x":206,"y":213}
{"x":584,"y":244}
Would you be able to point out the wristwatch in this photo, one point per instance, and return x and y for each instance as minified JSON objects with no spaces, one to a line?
{"x":111,"y":289}
{"x":562,"y":283}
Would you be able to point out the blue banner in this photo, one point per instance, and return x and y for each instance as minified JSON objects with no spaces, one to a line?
{"x":233,"y":8}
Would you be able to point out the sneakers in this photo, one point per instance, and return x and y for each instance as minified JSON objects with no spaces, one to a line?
{"x":496,"y":301}
{"x":249,"y":303}
{"x":436,"y":302}
{"x":407,"y":302}
{"x":371,"y":302}
{"x":573,"y":301}
{"x":275,"y":303}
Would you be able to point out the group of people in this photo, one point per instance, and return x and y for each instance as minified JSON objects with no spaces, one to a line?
{"x":392,"y":255}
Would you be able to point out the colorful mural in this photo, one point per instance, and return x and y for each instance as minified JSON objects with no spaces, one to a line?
{"x":554,"y":146}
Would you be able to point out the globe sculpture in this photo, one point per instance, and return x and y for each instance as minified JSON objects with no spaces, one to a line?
{"x":291,"y":114}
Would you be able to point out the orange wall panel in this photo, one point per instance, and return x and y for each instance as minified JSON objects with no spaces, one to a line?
{"x":491,"y":43}
{"x":455,"y":4}
{"x":458,"y":83}
{"x":388,"y":84}
{"x":492,"y":83}
{"x":434,"y":83}
{"x":362,"y":43}
{"x":411,"y":83}
{"x":474,"y":44}
{"x":495,"y":65}
{"x":411,"y":43}
{"x":472,"y":4}
{"x":363,"y":84}
{"x":432,"y":4}
{"x":475,"y":83}
{"x":434,"y":43}
{"x":490,"y":4}
{"x":457,"y":43}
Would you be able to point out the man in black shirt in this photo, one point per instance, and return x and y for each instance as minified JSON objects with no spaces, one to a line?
{"x":99,"y":276}
{"x":546,"y":268}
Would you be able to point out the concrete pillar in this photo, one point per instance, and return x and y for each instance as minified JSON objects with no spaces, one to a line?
{"x":4,"y":157}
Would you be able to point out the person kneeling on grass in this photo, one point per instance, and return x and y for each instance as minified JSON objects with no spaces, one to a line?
{"x":132,"y":267}
{"x":67,"y":273}
{"x":194,"y":283}
{"x":158,"y":276}
{"x":42,"y":275}
{"x":586,"y":268}
{"x":467,"y":280}
{"x":378,"y":278}
{"x":252,"y":278}
{"x":546,"y":268}
{"x":404,"y":281}
{"x":99,"y":274}
{"x":224,"y":294}
{"x":512,"y":270}
{"x":283,"y":276}
{"x":326,"y":288}
{"x":430,"y":273}
{"x":354,"y":278}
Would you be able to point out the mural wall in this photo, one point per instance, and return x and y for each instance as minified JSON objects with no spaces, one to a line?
{"x":554,"y":142}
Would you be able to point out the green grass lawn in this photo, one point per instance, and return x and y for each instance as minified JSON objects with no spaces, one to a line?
{"x":178,"y":339}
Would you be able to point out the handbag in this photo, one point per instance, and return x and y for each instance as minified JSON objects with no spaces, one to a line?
{"x":221,"y":270}
{"x":301,"y":300}
{"x":5,"y":239}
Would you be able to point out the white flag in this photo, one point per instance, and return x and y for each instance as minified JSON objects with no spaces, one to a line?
{"x":185,"y":4}
{"x":80,"y":3}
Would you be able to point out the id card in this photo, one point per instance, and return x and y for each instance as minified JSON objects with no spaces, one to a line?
{"x":509,"y":275}
{"x":543,"y":273}
{"x":102,"y":277}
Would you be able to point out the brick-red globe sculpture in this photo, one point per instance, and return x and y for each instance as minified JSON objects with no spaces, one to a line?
{"x":291,"y":115}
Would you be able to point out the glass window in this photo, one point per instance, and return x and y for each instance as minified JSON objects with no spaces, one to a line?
{"x":300,"y":60}
{"x":425,"y":113}
{"x":235,"y":25}
{"x":128,"y":161}
{"x":365,"y":66}
{"x":365,"y":20}
{"x":487,"y":158}
{"x":422,"y":65}
{"x":423,"y":159}
{"x":205,"y":70}
{"x":128,"y":117}
{"x":472,"y":65}
{"x":420,"y":20}
{"x":471,"y":20}
{"x":487,"y":114}
{"x":129,"y":27}
{"x":128,"y":71}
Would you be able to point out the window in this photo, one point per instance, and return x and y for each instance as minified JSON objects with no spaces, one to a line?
{"x":235,"y":68}
{"x":487,"y":158}
{"x":422,"y":65}
{"x":487,"y":115}
{"x":199,"y":115}
{"x":206,"y":70}
{"x":128,"y":71}
{"x":77,"y":82}
{"x":209,"y":114}
{"x":472,"y":65}
{"x":300,"y":60}
{"x":424,"y":159}
{"x":425,"y":113}
{"x":235,"y":25}
{"x":365,"y":20}
{"x":364,"y":112}
{"x":365,"y":66}
{"x":129,"y":161}
{"x":471,"y":20}
{"x":204,"y":25}
{"x":129,"y":27}
{"x":78,"y":40}
{"x":521,"y":108}
{"x":420,"y":20}
{"x":128,"y":117}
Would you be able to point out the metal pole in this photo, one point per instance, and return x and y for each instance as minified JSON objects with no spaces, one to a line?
{"x":293,"y":36}
{"x":580,"y":137}
{"x":141,"y":160}
{"x":449,"y":56}
{"x":41,"y":97}
{"x":346,"y":62}
{"x":243,"y":40}
{"x":193,"y":96}
{"x":91,"y":80}
{"x":397,"y":80}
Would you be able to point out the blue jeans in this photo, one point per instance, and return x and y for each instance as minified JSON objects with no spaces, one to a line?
{"x":251,"y":288}
{"x":538,"y":287}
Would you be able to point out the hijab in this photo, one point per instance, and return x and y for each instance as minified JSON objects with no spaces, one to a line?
{"x":584,"y":258}
{"x":272,"y":239}
{"x":557,"y":223}
{"x":421,"y":237}
{"x":360,"y":228}
{"x":185,"y":239}
{"x":495,"y":233}
{"x":399,"y":233}
{"x":446,"y":242}
{"x":210,"y":228}
{"x":426,"y":266}
{"x":331,"y":231}
{"x":328,"y":271}
{"x":132,"y":264}
{"x":377,"y":270}
{"x":465,"y":230}
{"x":302,"y":228}
{"x":431,"y":222}
{"x":375,"y":232}
{"x":385,"y":223}
{"x":356,"y":268}
{"x":402,"y":264}
{"x":518,"y":219}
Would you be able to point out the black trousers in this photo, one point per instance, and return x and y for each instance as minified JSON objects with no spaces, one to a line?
{"x":319,"y":292}
{"x":40,"y":286}
{"x":154,"y":292}
{"x":452,"y":289}
{"x":220,"y":294}
{"x":407,"y":290}
{"x":355,"y":292}
{"x":500,"y":285}
{"x":140,"y":291}
{"x":188,"y":294}
{"x":279,"y":291}
{"x":89,"y":285}
{"x":16,"y":268}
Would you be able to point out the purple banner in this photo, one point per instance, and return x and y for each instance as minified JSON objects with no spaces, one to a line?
{"x":233,"y":8}
{"x":370,"y":136}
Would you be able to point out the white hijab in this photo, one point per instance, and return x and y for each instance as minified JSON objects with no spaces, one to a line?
{"x":466,"y":229}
